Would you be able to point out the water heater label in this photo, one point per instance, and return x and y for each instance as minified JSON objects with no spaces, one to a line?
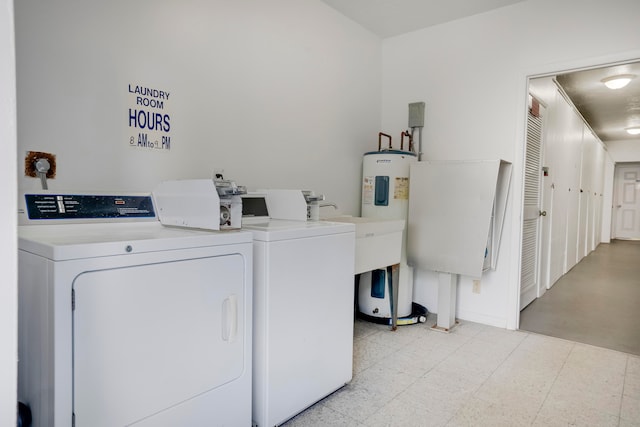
{"x":368,"y":184}
{"x":401,"y":189}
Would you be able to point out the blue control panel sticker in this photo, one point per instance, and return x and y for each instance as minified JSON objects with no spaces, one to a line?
{"x":69,"y":206}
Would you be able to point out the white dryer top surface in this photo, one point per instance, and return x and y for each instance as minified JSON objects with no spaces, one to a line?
{"x":280,"y":229}
{"x":76,"y":241}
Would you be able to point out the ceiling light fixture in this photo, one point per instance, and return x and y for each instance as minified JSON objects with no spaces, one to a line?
{"x":619,"y":81}
{"x":633,"y":130}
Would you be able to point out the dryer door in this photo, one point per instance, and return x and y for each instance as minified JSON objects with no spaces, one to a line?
{"x":148,"y":337}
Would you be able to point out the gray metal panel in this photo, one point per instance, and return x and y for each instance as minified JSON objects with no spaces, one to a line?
{"x":450,"y":213}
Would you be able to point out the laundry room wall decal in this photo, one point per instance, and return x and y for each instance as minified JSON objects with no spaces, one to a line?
{"x":149,"y":117}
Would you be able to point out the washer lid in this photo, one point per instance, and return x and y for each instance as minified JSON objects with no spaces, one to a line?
{"x":370,"y":227}
{"x":76,"y":241}
{"x":279,"y":229}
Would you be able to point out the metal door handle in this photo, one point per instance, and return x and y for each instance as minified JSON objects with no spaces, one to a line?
{"x":230,"y":318}
{"x":543,"y":213}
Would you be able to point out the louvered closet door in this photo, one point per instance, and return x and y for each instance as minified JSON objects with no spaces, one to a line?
{"x":531,"y":214}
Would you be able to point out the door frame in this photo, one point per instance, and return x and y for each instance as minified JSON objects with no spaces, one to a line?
{"x":535,"y":71}
{"x":614,"y":206}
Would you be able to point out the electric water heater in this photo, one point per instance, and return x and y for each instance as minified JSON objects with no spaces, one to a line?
{"x":385,"y":195}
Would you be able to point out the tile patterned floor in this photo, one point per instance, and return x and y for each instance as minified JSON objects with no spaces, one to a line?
{"x":479,"y":376}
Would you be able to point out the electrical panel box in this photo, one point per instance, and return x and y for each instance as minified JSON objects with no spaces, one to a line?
{"x":416,"y":114}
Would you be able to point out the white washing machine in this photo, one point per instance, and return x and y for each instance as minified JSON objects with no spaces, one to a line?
{"x":303,"y":314}
{"x":132,"y":323}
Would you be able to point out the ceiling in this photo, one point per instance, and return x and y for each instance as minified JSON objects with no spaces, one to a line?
{"x":388,"y":18}
{"x":607,"y":111}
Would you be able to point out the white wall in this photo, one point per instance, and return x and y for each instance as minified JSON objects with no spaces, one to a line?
{"x":8,"y":252}
{"x":279,"y":93}
{"x":287,"y":93}
{"x":607,"y":203}
{"x":546,"y":91}
{"x":472,"y":75}
{"x":624,"y":151}
{"x":573,"y":191}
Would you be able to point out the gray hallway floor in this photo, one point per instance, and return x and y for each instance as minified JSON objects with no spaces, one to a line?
{"x":597,"y":302}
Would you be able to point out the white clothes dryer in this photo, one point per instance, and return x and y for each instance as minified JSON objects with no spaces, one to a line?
{"x":132,"y":323}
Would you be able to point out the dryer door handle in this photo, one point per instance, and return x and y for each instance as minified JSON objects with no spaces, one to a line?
{"x":230,"y":318}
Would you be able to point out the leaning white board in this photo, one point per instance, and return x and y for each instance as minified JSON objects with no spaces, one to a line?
{"x":456,"y":212}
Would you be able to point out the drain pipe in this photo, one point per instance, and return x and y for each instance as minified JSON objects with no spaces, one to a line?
{"x":416,"y":120}
{"x":42,"y":166}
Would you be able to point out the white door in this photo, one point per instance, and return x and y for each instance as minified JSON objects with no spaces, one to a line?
{"x":627,"y":202}
{"x":529,"y":270}
{"x":149,"y":337}
{"x":583,"y":223}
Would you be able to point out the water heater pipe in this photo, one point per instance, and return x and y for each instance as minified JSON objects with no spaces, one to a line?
{"x":410,"y":146}
{"x":380,"y":135}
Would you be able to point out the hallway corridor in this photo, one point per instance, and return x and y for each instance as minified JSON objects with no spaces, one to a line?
{"x":597,"y":302}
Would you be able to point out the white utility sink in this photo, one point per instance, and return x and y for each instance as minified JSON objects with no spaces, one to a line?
{"x":378,"y":241}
